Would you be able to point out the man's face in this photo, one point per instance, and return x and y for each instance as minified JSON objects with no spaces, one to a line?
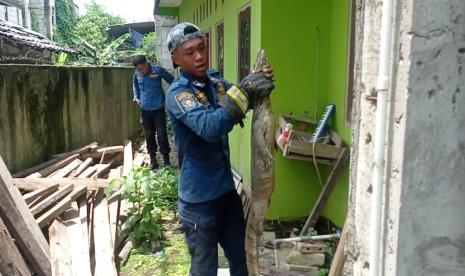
{"x":143,"y":68}
{"x":192,"y":57}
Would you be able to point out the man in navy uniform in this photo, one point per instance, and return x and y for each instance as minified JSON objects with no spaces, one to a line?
{"x":204,"y":108}
{"x":149,"y":95}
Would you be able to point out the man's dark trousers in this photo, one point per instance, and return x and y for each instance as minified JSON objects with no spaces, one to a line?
{"x":208,"y":223}
{"x":154,"y":122}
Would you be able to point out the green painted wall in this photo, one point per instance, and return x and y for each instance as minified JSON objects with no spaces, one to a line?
{"x":306,"y":42}
{"x":173,"y":11}
{"x":307,"y":45}
{"x":336,"y":207}
{"x":228,"y":13}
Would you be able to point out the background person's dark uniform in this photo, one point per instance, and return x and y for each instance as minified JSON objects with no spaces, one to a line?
{"x":148,"y":90}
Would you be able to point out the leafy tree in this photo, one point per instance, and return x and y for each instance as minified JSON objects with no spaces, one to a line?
{"x":91,"y":26}
{"x":66,"y":18}
{"x":148,"y":47}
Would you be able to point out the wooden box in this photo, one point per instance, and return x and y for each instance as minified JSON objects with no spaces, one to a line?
{"x":298,"y":145}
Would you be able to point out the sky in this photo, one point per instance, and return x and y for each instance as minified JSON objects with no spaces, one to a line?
{"x":130,"y":10}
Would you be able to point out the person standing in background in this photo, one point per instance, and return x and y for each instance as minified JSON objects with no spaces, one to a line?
{"x":150,"y":97}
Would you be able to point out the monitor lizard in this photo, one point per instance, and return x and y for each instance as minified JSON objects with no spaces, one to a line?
{"x":262,"y":171}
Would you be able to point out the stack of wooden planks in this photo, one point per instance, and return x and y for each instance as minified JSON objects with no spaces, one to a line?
{"x":55,"y":218}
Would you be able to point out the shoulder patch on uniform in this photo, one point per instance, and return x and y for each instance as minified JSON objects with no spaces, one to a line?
{"x":186,"y":101}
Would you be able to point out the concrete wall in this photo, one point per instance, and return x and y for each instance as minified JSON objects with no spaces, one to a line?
{"x":44,"y":12}
{"x":46,"y":110}
{"x":10,"y":54}
{"x":423,"y":226}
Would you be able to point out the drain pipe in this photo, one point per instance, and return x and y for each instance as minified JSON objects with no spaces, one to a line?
{"x":380,"y":133}
{"x":277,"y":242}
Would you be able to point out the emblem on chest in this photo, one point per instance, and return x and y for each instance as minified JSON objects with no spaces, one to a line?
{"x":202,"y":98}
{"x":219,"y":90}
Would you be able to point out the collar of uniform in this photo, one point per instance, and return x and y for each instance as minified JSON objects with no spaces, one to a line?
{"x":186,"y":79}
{"x":150,"y":71}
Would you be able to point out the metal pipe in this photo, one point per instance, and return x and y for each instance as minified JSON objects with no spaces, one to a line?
{"x":277,"y":242}
{"x":380,"y":133}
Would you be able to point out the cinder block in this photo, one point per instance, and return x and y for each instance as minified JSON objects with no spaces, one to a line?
{"x":307,"y":259}
{"x":305,"y":270}
{"x":310,"y":247}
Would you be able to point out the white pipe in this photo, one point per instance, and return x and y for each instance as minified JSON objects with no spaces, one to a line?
{"x":380,"y":133}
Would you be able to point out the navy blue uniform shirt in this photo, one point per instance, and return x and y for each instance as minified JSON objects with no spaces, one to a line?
{"x":201,"y":130}
{"x":147,"y":88}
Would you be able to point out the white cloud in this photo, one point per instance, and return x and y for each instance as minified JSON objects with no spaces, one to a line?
{"x":130,"y":10}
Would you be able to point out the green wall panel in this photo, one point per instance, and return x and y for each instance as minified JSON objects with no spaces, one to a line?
{"x":306,"y":42}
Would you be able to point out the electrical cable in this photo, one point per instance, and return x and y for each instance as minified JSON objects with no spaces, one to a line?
{"x":314,"y":159}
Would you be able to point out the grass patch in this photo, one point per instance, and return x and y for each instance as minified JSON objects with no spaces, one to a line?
{"x":174,"y":260}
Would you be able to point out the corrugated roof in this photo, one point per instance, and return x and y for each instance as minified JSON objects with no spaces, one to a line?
{"x":18,"y":35}
{"x":140,"y":27}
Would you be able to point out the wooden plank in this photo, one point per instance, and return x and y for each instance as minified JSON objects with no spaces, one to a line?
{"x":30,"y":197}
{"x":309,"y":158}
{"x":21,"y":224}
{"x":36,"y":201}
{"x":102,"y":169}
{"x":114,"y":205}
{"x":67,"y":169}
{"x":47,"y":202}
{"x":138,"y":160}
{"x":113,"y":211}
{"x":326,"y":191}
{"x":87,"y":148}
{"x":11,"y":261}
{"x":36,"y":168}
{"x":84,"y":165}
{"x":90,"y":229}
{"x":115,"y":173}
{"x":104,"y":258}
{"x":335,"y":138}
{"x":56,"y":166}
{"x":297,"y":118}
{"x":83,"y":218}
{"x":128,"y":157}
{"x":60,"y":207}
{"x":306,"y":148}
{"x":39,"y":183}
{"x":60,"y":249}
{"x":102,"y":152}
{"x":339,"y":258}
{"x":88,"y":172}
{"x":111,"y":149}
{"x":79,"y":250}
{"x":54,"y":159}
{"x":124,"y":253}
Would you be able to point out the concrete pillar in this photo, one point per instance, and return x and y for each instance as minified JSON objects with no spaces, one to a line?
{"x":48,"y":15}
{"x":424,"y":191}
{"x":163,"y":25}
{"x":44,"y":11}
{"x":26,"y":14}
